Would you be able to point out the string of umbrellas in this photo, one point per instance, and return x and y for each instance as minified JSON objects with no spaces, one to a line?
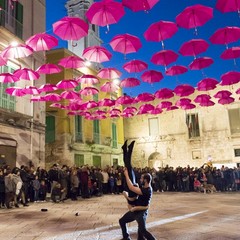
{"x":105,"y":13}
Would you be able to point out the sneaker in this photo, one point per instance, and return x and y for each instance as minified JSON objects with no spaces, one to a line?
{"x":16,"y":205}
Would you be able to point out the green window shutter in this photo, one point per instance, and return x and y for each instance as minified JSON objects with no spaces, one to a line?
{"x":19,"y":18}
{"x":2,"y":4}
{"x":96,"y":131}
{"x":78,"y":129}
{"x":50,"y":129}
{"x":79,"y":160}
{"x":2,"y":12}
{"x":97,"y":161}
{"x":114,"y":135}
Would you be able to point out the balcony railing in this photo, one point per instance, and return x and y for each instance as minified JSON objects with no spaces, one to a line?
{"x":11,"y":23}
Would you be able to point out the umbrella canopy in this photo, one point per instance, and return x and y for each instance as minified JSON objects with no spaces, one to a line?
{"x":188,"y":107}
{"x":194,"y":16}
{"x":70,"y":28}
{"x":105,"y":12}
{"x":67,"y":83}
{"x":145,"y":97}
{"x":72,"y":62}
{"x":109,"y":87}
{"x":200,"y":63}
{"x":155,"y":111}
{"x":31,"y":90}
{"x":130,"y":82}
{"x":48,"y":87}
{"x":125,"y":43}
{"x":164,"y":104}
{"x":96,"y":54}
{"x":109,"y":73}
{"x":124,"y":100}
{"x":222,"y":94}
{"x":160,"y":31}
{"x":145,"y":108}
{"x":52,"y":97}
{"x":183,"y":102}
{"x":88,"y":79}
{"x":208,"y":103}
{"x":164,"y":93}
{"x":238,"y":91}
{"x":228,"y":6}
{"x":26,"y":74}
{"x":129,"y":110}
{"x":184,"y":90}
{"x":8,"y":78}
{"x":18,"y":51}
{"x":230,"y":78}
{"x":231,"y":53}
{"x":202,"y":98}
{"x":193,"y":47}
{"x":2,"y":61}
{"x":225,"y":101}
{"x":106,"y":102}
{"x":225,"y":35}
{"x":207,"y":84}
{"x":42,"y":42}
{"x":89,"y":91}
{"x":176,"y":70}
{"x":69,"y":95}
{"x":164,"y":57}
{"x":135,"y":66}
{"x":152,"y":76}
{"x":15,"y":91}
{"x":49,"y":68}
{"x":139,"y":5}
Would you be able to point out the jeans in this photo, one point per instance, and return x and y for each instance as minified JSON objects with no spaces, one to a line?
{"x":140,"y":217}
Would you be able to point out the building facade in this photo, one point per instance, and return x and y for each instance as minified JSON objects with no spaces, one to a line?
{"x":22,"y":122}
{"x":187,"y":137}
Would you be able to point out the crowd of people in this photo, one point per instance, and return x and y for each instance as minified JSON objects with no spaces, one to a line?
{"x":27,"y":184}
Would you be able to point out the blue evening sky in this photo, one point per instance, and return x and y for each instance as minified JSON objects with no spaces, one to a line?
{"x":137,"y":23}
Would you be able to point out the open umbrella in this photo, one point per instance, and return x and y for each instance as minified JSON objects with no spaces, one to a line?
{"x":230,"y":78}
{"x":52,"y":97}
{"x":222,"y":94}
{"x":2,"y":61}
{"x":194,"y":16}
{"x":42,"y":42}
{"x":48,"y":87}
{"x":49,"y":68}
{"x":8,"y":78}
{"x":200,"y":63}
{"x":193,"y":47}
{"x":125,"y":43}
{"x":225,"y":101}
{"x":130,"y":82}
{"x":89,"y":91}
{"x":109,"y":87}
{"x":15,"y":91}
{"x":26,"y":74}
{"x":152,"y":76}
{"x":115,"y":111}
{"x":155,"y":111}
{"x":96,"y":54}
{"x":105,"y":12}
{"x":135,"y":66}
{"x":31,"y":90}
{"x":188,"y":107}
{"x":106,"y":102}
{"x":206,"y":103}
{"x":129,"y":110}
{"x":164,"y":57}
{"x":202,"y":98}
{"x":238,"y":91}
{"x":160,"y":31}
{"x":139,"y":5}
{"x":145,"y":97}
{"x":164,"y":104}
{"x":207,"y":84}
{"x":231,"y":53}
{"x":88,"y":79}
{"x":109,"y":73}
{"x":145,"y":108}
{"x":124,"y":100}
{"x":184,"y":90}
{"x":67,"y":83}
{"x":183,"y":102}
{"x":164,"y":93}
{"x":176,"y":70}
{"x":70,"y":28}
{"x":71,"y":62}
{"x":69,"y":95}
{"x":228,"y":6}
{"x":18,"y":51}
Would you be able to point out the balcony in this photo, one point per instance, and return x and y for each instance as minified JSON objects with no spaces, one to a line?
{"x":11,"y":24}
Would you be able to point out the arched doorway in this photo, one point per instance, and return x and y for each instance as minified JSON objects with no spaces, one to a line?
{"x":154,"y":160}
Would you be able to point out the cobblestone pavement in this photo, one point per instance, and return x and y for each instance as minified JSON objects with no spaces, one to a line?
{"x":183,"y":216}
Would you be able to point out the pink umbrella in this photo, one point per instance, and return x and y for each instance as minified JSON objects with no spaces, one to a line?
{"x":193,"y":47}
{"x":223,"y":94}
{"x":52,"y":97}
{"x":127,"y":115}
{"x":231,"y":53}
{"x":225,"y":101}
{"x":8,"y":78}
{"x":37,"y":99}
{"x":48,"y":87}
{"x":152,"y":76}
{"x":176,"y":70}
{"x":88,"y":79}
{"x":160,"y":31}
{"x":2,"y":61}
{"x":49,"y":68}
{"x":184,"y":90}
{"x":19,"y":51}
{"x":207,"y":84}
{"x":72,"y":62}
{"x":164,"y":57}
{"x":26,"y":74}
{"x":67,"y":83}
{"x":105,"y":12}
{"x":202,"y":98}
{"x":208,"y":103}
{"x":31,"y":90}
{"x":139,"y":5}
{"x":194,"y":16}
{"x":238,"y":91}
{"x":200,"y":63}
{"x":145,"y":108}
{"x":145,"y":97}
{"x":15,"y":91}
{"x":70,"y":28}
{"x":109,"y":87}
{"x":129,"y":110}
{"x":135,"y":66}
{"x":109,"y":73}
{"x":230,"y":78}
{"x":96,"y":54}
{"x":172,"y":108}
{"x":106,"y":102}
{"x":183,"y":102}
{"x":89,"y":91}
{"x":164,"y":93}
{"x":42,"y":42}
{"x":164,"y":104}
{"x":225,"y":35}
{"x":115,"y":111}
{"x":124,"y":100}
{"x":130,"y":82}
{"x":155,"y":111}
{"x":69,"y":95}
{"x":125,"y":43}
{"x":228,"y":6}
{"x":56,"y":105}
{"x":188,"y":107}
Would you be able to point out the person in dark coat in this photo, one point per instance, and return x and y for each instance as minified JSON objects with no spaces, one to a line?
{"x":2,"y":189}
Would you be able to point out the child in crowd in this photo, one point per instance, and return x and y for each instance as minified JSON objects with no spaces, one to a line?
{"x":57,"y":191}
{"x":197,"y":185}
{"x":42,"y":191}
{"x":36,"y":187}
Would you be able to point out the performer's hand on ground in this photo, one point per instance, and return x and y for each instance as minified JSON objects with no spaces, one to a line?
{"x":125,"y":194}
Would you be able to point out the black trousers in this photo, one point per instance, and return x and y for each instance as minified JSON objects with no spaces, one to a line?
{"x":140,"y":217}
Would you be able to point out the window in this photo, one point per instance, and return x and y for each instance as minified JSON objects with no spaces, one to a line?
{"x":79,"y":160}
{"x":6,"y":101}
{"x":78,"y":129}
{"x":192,"y":125}
{"x":97,"y":161}
{"x":234,"y":119}
{"x":50,"y":129}
{"x":114,"y":135}
{"x":237,"y":152}
{"x":96,"y":132}
{"x":153,"y":126}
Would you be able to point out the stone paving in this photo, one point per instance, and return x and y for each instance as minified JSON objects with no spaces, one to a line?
{"x":181,"y":216}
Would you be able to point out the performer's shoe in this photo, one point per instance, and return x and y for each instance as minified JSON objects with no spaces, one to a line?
{"x":124,"y":146}
{"x":131,"y":145}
